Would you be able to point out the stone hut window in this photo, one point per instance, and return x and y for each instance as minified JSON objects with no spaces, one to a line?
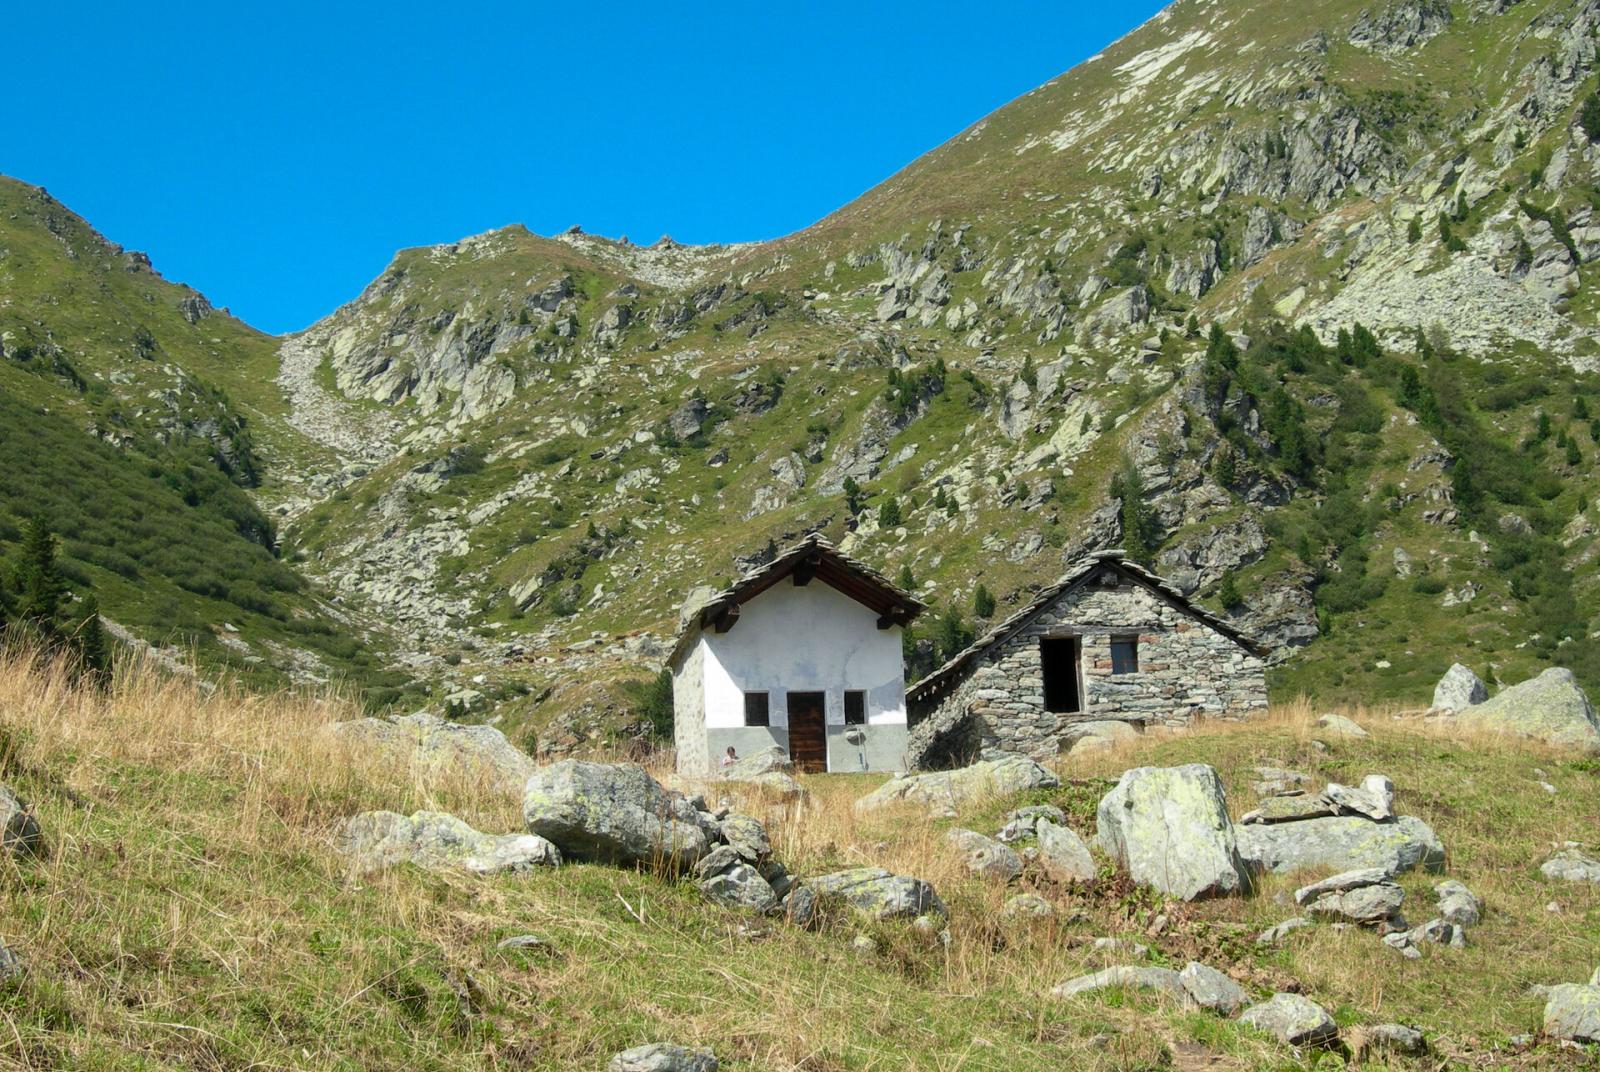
{"x":1125,"y":655}
{"x":756,"y":709}
{"x":855,"y":708}
{"x":1058,"y":666}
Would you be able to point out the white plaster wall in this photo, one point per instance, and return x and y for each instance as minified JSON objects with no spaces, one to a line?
{"x":811,"y":639}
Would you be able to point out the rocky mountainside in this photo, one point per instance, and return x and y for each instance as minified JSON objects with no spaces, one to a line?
{"x":1295,"y":305}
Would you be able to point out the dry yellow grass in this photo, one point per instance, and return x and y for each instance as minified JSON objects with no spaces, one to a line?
{"x":192,"y":913}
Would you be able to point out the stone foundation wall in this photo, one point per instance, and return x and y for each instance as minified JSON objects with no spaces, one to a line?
{"x":1186,"y":669}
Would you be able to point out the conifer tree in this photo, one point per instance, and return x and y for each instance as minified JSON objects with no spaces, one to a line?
{"x":1228,"y":592}
{"x":982,"y":603}
{"x":94,"y":654}
{"x":889,"y":513}
{"x":41,"y":590}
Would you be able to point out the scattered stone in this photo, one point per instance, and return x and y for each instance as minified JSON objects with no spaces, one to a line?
{"x":1390,"y":1038}
{"x":1164,"y":981}
{"x":1275,"y":781}
{"x":1458,"y":690}
{"x":1278,"y":932}
{"x":741,"y":887}
{"x":1339,"y":726}
{"x":1373,"y":799}
{"x":1572,"y":1013}
{"x":1365,"y":903}
{"x":1003,"y":775}
{"x":770,"y":760}
{"x":1289,"y":809}
{"x":1063,"y":856}
{"x":879,"y":893}
{"x":375,"y":840}
{"x":1458,"y":904}
{"x":1023,"y":822}
{"x":1292,"y":1019}
{"x":19,"y":830}
{"x":429,"y":743}
{"x":522,"y":941}
{"x":800,"y":907}
{"x":11,"y":966}
{"x":1119,"y":945}
{"x":985,"y":856}
{"x":1573,"y":865}
{"x":1169,"y":827}
{"x":662,"y":1057}
{"x":720,"y":859}
{"x":864,"y":945}
{"x":614,"y":813}
{"x":1549,"y":708}
{"x":1091,"y":736}
{"x":1210,"y":989}
{"x":1028,"y":905}
{"x":747,"y":837}
{"x":1343,"y":843}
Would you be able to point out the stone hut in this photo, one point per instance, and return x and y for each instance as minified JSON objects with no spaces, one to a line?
{"x":1110,"y":641}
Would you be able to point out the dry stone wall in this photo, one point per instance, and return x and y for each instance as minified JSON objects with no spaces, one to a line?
{"x":1186,"y":669}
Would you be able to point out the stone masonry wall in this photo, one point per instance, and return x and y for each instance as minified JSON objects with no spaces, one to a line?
{"x":1186,"y":669}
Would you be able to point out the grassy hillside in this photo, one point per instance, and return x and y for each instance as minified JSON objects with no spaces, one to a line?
{"x":191,"y":912}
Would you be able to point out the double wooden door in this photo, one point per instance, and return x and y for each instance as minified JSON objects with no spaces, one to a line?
{"x":808,"y":731}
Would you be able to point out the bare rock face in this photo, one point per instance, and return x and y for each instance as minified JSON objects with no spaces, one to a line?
{"x":1169,"y":827}
{"x":1401,"y":26}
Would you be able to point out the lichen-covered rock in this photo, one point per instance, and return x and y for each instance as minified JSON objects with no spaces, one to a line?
{"x":746,"y":836}
{"x":985,"y":856}
{"x":1573,"y":865}
{"x":1363,"y":904}
{"x":1458,"y":690}
{"x":1024,"y":822}
{"x":1390,"y":1038}
{"x":1289,"y":809}
{"x":1088,"y":736}
{"x":1164,"y":981}
{"x":661,"y":1057}
{"x":1292,"y":1019}
{"x":19,"y":830}
{"x":1210,"y":989}
{"x":614,"y":813}
{"x":375,"y":840}
{"x":1572,"y":1012}
{"x":1458,"y":904}
{"x":768,"y":760}
{"x":1373,"y":798}
{"x":1028,"y":906}
{"x":1169,"y":827}
{"x":1278,"y":932}
{"x":1343,"y":843}
{"x":1549,"y":708}
{"x":878,"y":893}
{"x":740,"y":886}
{"x":1063,"y":855}
{"x":431,"y":744}
{"x":1339,"y":726}
{"x":1003,"y":775}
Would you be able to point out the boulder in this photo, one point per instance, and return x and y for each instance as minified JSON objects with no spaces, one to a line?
{"x":1573,"y":865}
{"x":1572,"y":1013}
{"x":1458,"y":690}
{"x":740,"y":886}
{"x":19,"y":830}
{"x":1289,"y":809}
{"x":1169,"y":827}
{"x":1549,"y":708}
{"x":1164,"y":981}
{"x":661,"y":1057}
{"x":800,"y":907}
{"x":1341,"y":883}
{"x":1342,"y":843}
{"x":375,"y":840}
{"x":1435,"y":932}
{"x":1458,"y":904}
{"x":1275,"y":781}
{"x":879,"y":893}
{"x":985,"y":856}
{"x":1023,"y":822}
{"x":1063,"y":856}
{"x":1028,"y":906}
{"x":1088,"y":736}
{"x":432,"y":744}
{"x":614,"y":813}
{"x":746,"y":836}
{"x":1292,"y":1019}
{"x":1374,"y":798}
{"x":1389,"y":1038}
{"x":1001,"y":775}
{"x":1368,"y":905}
{"x":1210,"y":989}
{"x":769,"y":760}
{"x":1339,"y":726}
{"x":1278,"y":932}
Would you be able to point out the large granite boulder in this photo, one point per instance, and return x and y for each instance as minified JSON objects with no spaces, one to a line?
{"x":1169,"y":827}
{"x":1549,"y":708}
{"x":1342,"y":843}
{"x":1000,"y":775}
{"x":878,"y":893}
{"x":19,"y":830}
{"x":431,"y":744}
{"x":1572,"y":1012}
{"x":1458,"y":690}
{"x":614,"y":813}
{"x":375,"y":840}
{"x":1292,"y":1019}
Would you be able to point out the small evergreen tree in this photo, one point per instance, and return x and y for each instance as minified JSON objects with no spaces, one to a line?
{"x":1139,"y":526}
{"x":1574,"y":455}
{"x":852,"y":497}
{"x":94,"y":654}
{"x":652,"y":703}
{"x":1228,"y":593}
{"x":1414,"y":231}
{"x":41,"y":590}
{"x":1589,"y":117}
{"x":1580,"y":408}
{"x":889,"y":513}
{"x":1029,"y":375}
{"x":906,"y":579}
{"x":1225,"y":469}
{"x":951,"y":634}
{"x":982,"y":603}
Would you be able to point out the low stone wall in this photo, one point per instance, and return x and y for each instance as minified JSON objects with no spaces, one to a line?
{"x":1186,"y":670}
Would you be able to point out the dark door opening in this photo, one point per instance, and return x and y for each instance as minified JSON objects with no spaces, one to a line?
{"x":1058,"y":662}
{"x":808,"y":731}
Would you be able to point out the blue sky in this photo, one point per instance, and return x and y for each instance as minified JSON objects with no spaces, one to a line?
{"x":276,"y":157}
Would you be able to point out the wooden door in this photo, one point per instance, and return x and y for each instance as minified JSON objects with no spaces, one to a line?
{"x":808,"y":731}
